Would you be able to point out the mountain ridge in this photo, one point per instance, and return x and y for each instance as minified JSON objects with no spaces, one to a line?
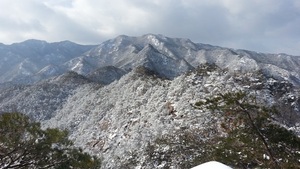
{"x":120,"y":99}
{"x":125,"y":52}
{"x":35,"y":54}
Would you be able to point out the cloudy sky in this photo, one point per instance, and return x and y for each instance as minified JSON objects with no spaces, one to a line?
{"x":271,"y":26}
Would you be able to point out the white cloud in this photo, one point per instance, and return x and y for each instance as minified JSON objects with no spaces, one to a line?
{"x":255,"y":25}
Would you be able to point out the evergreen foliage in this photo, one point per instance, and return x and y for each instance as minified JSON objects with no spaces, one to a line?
{"x":203,"y":69}
{"x":23,"y":144}
{"x":254,"y":139}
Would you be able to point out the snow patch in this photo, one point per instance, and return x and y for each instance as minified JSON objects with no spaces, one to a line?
{"x":212,"y":165}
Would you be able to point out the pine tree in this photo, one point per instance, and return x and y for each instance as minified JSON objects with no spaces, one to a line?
{"x":23,"y":144}
{"x":254,"y":138}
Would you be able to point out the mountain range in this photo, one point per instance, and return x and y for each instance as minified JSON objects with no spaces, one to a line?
{"x":33,"y":60}
{"x":118,"y":97}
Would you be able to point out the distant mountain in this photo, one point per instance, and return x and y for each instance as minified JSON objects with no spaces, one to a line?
{"x":106,"y":75}
{"x":126,"y":99}
{"x":35,"y":58}
{"x":171,"y":57}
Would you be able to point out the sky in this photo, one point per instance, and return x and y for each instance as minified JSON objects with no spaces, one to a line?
{"x":269,"y":26}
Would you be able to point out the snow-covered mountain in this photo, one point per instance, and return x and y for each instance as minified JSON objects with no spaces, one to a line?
{"x":170,"y":57}
{"x":122,"y":96}
{"x":35,"y":60}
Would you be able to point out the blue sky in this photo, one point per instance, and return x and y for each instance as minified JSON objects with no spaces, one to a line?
{"x":271,"y":26}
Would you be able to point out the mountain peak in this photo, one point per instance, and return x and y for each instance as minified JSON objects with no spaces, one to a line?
{"x":33,"y":42}
{"x":151,"y":35}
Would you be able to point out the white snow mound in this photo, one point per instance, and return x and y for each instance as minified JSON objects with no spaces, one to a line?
{"x":212,"y":165}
